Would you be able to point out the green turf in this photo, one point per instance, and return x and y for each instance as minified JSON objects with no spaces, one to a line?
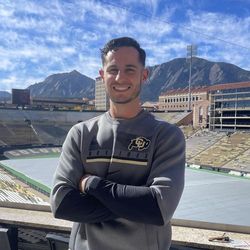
{"x":32,"y":183}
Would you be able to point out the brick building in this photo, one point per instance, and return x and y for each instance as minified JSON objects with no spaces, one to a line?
{"x":222,"y":106}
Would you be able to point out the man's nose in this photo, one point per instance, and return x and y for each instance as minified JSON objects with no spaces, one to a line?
{"x":120,"y":76}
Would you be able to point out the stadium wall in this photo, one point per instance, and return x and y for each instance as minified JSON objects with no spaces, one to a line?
{"x":51,"y":116}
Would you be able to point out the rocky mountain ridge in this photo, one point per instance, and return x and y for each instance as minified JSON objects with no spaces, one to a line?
{"x":175,"y":74}
{"x":64,"y":85}
{"x":166,"y":76}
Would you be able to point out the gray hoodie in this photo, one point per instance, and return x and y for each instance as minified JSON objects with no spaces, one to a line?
{"x":137,"y":178}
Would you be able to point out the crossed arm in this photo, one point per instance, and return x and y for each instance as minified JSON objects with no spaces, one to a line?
{"x":90,"y":199}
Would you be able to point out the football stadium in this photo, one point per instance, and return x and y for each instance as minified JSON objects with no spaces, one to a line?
{"x":213,"y":212}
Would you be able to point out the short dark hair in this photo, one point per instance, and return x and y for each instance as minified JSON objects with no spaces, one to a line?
{"x":116,"y":43}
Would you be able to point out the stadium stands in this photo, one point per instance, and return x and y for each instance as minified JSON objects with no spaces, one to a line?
{"x":204,"y":147}
{"x":20,"y":127}
{"x":46,"y":116}
{"x":242,"y":161}
{"x":188,"y":131}
{"x":12,"y":192}
{"x":17,"y":133}
{"x":218,"y":150}
{"x":51,"y":133}
{"x":6,"y":133}
{"x":171,"y":117}
{"x":200,"y":141}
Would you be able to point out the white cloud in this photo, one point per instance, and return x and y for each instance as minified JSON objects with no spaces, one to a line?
{"x":218,"y":26}
{"x":105,"y":12}
{"x":152,"y":28}
{"x":68,"y":50}
{"x":9,"y":80}
{"x":29,"y":7}
{"x":219,"y":37}
{"x":88,"y":65}
{"x":14,"y":81}
{"x":6,"y":10}
{"x":30,"y":23}
{"x":56,"y":39}
{"x":165,"y":51}
{"x":42,"y":38}
{"x":6,"y":64}
{"x":154,"y":5}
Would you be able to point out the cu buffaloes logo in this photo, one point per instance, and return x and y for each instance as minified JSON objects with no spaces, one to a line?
{"x":140,"y":143}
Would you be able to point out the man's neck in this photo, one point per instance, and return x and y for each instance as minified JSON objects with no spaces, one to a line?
{"x":124,"y":111}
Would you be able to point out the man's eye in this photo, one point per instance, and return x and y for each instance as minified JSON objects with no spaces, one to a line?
{"x":113,"y":71}
{"x":130,"y":70}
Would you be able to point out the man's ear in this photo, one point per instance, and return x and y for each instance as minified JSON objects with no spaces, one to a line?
{"x":101,"y":73}
{"x":145,"y":74}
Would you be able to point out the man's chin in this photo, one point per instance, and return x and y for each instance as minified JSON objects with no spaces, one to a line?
{"x":120,"y":101}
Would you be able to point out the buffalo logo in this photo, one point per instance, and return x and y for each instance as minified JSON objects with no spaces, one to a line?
{"x":140,"y":143}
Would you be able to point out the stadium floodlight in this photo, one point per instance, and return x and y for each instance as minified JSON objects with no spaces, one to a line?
{"x":191,"y":52}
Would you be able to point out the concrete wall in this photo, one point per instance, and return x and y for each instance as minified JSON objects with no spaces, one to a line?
{"x":52,"y":116}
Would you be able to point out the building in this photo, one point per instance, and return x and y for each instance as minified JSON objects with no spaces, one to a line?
{"x":222,"y":106}
{"x":20,"y":97}
{"x":230,"y":106}
{"x":101,"y":97}
{"x":62,"y":104}
{"x":178,"y":99}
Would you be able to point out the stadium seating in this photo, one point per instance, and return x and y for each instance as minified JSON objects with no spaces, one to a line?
{"x":20,"y":127}
{"x":17,"y":133}
{"x":12,"y":192}
{"x":242,"y":161}
{"x":188,"y":131}
{"x":8,"y":238}
{"x":222,"y":151}
{"x":171,"y":117}
{"x":200,"y":141}
{"x":57,"y":242}
{"x":51,"y":133}
{"x":203,"y":147}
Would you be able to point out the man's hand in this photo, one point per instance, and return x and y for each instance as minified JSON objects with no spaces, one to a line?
{"x":82,"y":183}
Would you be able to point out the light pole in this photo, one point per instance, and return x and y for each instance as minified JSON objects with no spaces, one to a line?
{"x":191,"y":51}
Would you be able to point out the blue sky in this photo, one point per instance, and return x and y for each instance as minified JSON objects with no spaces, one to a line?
{"x":40,"y":38}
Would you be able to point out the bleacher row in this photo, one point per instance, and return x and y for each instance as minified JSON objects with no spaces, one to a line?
{"x":220,"y":150}
{"x":171,"y":117}
{"x":12,"y":192}
{"x":21,"y":133}
{"x":22,"y":128}
{"x":203,"y":147}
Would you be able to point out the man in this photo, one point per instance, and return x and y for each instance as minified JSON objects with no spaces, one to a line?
{"x":120,"y":175}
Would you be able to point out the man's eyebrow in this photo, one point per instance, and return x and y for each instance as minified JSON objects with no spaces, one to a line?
{"x":131,"y":66}
{"x":111,"y":67}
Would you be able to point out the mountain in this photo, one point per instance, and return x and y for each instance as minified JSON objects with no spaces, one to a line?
{"x":5,"y":96}
{"x":170,"y":75}
{"x":175,"y":74}
{"x":64,"y":85}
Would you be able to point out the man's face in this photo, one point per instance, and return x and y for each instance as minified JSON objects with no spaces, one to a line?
{"x":123,"y":75}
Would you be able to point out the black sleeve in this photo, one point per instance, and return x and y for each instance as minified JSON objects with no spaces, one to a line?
{"x":66,"y":200}
{"x":84,"y":208}
{"x":134,"y":203}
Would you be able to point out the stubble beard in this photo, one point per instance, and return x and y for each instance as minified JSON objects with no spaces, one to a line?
{"x":129,"y":99}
